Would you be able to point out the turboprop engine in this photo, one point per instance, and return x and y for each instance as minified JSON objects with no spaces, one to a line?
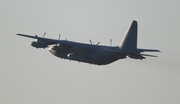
{"x":59,"y":51}
{"x":39,"y":44}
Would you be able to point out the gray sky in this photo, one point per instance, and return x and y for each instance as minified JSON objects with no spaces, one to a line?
{"x":34,"y":76}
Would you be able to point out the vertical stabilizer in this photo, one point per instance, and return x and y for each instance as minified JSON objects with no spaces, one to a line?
{"x":129,"y":43}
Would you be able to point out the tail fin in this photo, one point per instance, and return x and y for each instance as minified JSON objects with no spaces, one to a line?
{"x":129,"y":43}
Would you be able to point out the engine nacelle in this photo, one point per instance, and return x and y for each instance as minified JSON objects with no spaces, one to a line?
{"x":38,"y":45}
{"x":136,"y":56}
{"x":58,"y":47}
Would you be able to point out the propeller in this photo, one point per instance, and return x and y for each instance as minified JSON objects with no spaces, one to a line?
{"x":43,"y":35}
{"x":59,"y":36}
{"x":98,"y":43}
{"x":111,"y":42}
{"x":90,"y":41}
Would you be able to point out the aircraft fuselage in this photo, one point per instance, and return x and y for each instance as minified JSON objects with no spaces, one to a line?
{"x":88,"y":53}
{"x":94,"y":54}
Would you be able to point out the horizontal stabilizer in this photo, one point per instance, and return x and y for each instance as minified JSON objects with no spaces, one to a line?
{"x":148,"y":50}
{"x":149,"y":55}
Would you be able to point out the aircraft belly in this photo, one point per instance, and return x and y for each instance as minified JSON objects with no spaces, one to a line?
{"x":110,"y":59}
{"x":98,"y":57}
{"x":73,"y":56}
{"x":104,"y":57}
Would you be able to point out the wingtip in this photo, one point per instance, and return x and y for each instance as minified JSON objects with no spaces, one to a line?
{"x":18,"y":34}
{"x":26,"y":36}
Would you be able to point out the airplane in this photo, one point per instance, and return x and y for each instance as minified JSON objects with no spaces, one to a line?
{"x":94,"y":53}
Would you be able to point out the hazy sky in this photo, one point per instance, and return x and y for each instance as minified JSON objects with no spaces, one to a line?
{"x":34,"y":76}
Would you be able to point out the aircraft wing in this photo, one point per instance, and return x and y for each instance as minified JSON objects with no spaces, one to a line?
{"x":40,"y":38}
{"x":73,"y":46}
{"x":43,"y":42}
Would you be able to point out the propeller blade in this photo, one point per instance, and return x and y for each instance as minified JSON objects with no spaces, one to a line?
{"x":98,"y":43}
{"x":111,"y":42}
{"x":44,"y":34}
{"x":90,"y":41}
{"x":59,"y":36}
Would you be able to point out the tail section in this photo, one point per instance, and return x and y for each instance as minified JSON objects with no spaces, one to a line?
{"x":129,"y":43}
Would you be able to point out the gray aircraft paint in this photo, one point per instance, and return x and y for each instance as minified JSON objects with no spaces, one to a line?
{"x":94,"y":54}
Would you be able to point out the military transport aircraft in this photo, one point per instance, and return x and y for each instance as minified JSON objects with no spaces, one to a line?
{"x":94,"y":53}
